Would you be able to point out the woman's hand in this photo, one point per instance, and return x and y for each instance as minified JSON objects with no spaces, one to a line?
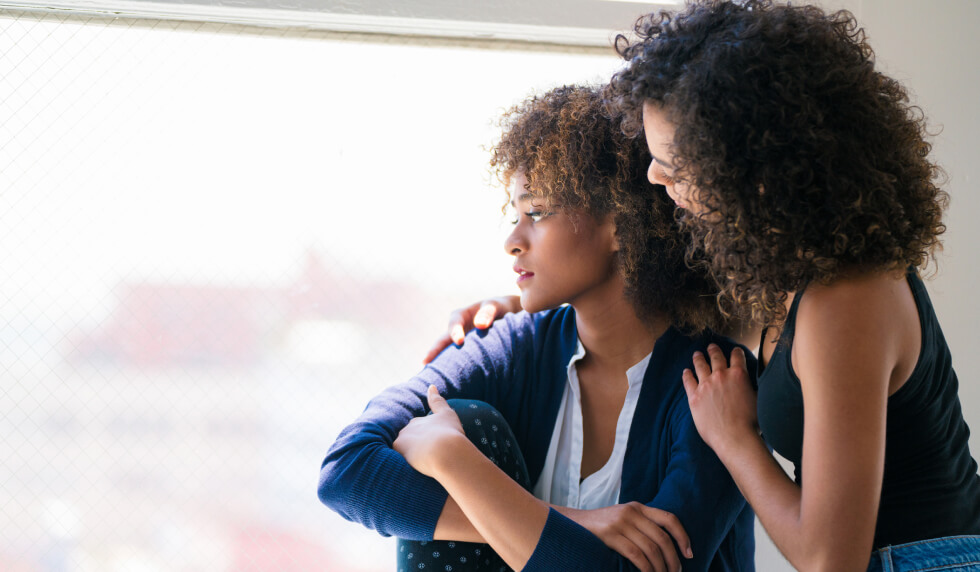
{"x":722,"y":401}
{"x":480,"y":315}
{"x":427,"y":440}
{"x":639,"y":532}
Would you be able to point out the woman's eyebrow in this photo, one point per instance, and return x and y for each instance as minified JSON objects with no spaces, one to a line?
{"x":521,"y":198}
{"x":662,"y":162}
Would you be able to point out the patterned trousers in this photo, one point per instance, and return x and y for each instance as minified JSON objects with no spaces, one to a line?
{"x":491,"y":434}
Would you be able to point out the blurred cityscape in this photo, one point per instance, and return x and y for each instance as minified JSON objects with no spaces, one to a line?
{"x":173,"y":367}
{"x":184,"y":430}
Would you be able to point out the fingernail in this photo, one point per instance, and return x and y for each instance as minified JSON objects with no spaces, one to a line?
{"x":690,"y":553}
{"x":698,"y":354}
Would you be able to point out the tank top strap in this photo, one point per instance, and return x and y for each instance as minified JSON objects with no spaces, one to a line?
{"x":919,"y":292}
{"x":789,"y":327}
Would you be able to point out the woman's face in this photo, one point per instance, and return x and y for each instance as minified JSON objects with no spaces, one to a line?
{"x":660,"y":137}
{"x":559,"y":260}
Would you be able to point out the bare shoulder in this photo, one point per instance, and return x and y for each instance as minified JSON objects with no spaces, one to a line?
{"x":869,"y":318}
{"x":880,"y":297}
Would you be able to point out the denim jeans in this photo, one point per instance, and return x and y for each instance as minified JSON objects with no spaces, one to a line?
{"x":961,"y":553}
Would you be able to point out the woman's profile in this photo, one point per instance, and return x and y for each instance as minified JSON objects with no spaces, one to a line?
{"x":567,"y":442}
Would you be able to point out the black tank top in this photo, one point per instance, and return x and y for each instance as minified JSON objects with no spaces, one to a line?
{"x":930,"y":488}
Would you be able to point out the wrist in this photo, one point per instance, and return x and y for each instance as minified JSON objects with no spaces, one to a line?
{"x":447,"y":452}
{"x":736,"y":441}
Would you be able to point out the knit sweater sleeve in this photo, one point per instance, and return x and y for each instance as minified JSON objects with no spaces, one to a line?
{"x":364,"y":480}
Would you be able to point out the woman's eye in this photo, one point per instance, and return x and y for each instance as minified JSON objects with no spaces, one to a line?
{"x":535,"y":216}
{"x":664,"y":174}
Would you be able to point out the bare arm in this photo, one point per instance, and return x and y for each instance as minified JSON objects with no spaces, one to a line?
{"x":453,"y":525}
{"x":850,"y":340}
{"x":487,"y":504}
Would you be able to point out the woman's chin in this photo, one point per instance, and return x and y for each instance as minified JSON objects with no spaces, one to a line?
{"x":530,"y":304}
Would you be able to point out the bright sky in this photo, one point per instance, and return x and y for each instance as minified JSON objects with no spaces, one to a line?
{"x":167,"y":153}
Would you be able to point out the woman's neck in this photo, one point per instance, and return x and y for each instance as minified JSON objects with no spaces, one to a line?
{"x":612,"y":334}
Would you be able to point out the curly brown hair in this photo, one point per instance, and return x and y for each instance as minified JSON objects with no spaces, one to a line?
{"x":574,"y":156}
{"x":809,"y":163}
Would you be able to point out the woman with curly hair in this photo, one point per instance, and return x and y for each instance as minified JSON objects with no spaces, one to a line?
{"x":567,"y":442}
{"x":804,"y":175}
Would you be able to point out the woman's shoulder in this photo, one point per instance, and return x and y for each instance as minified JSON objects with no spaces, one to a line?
{"x":869,"y":317}
{"x":526,"y":334}
{"x":879,"y":297}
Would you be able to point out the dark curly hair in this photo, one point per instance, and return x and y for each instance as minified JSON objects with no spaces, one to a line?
{"x":575,"y":156}
{"x":810,"y":163}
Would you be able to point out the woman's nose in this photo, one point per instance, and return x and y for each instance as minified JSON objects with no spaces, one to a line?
{"x":653,"y":175}
{"x":515,"y":243}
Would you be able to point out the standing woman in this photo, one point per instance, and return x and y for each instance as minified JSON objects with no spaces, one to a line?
{"x":804,"y":175}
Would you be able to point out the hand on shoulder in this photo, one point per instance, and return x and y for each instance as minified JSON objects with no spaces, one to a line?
{"x":480,"y":315}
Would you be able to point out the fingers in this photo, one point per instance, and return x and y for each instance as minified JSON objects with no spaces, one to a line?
{"x":481,"y":315}
{"x":645,"y":541}
{"x":640,"y":551}
{"x":441,"y":344}
{"x":655,"y":545}
{"x":669,"y":522}
{"x":462,"y":320}
{"x":459,"y":321}
{"x":437,"y":403}
{"x":654,"y":541}
{"x":690,"y":383}
{"x":487,"y":313}
{"x":701,"y":367}
{"x":738,"y":359}
{"x":457,"y":333}
{"x":718,"y":360}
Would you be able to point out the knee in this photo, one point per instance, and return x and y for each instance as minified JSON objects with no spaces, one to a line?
{"x":472,"y":411}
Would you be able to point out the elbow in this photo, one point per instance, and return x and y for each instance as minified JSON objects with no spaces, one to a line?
{"x":324,"y":490}
{"x":330,"y":488}
{"x":830,"y":558}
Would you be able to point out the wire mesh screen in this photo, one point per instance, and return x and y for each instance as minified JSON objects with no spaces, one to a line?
{"x":218,"y":242}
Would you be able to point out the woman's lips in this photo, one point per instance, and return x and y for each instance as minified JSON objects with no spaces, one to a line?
{"x":522,"y":274}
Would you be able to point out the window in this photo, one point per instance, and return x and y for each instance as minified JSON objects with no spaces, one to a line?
{"x":219,"y":242}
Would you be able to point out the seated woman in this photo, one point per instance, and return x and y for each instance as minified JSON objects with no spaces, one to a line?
{"x":568,"y":443}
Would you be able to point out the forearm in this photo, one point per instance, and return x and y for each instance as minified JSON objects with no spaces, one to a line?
{"x":774,"y":497}
{"x":505,"y":515}
{"x":777,"y":502}
{"x":453,"y":525}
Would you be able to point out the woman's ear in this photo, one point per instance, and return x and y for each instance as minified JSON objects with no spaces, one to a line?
{"x":608,"y":227}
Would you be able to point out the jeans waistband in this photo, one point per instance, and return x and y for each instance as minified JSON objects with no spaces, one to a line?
{"x":960,"y":553}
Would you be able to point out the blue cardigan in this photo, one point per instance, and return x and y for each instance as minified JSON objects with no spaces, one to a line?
{"x":520,"y":367}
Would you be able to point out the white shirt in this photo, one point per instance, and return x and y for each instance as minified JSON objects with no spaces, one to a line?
{"x":560,"y":482}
